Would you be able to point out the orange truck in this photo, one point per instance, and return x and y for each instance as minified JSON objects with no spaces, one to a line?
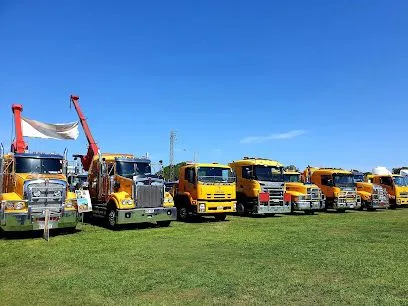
{"x":337,"y":185}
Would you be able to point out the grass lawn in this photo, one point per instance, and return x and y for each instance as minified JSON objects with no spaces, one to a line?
{"x":352,"y":258}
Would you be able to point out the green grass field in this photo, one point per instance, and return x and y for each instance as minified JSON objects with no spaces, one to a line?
{"x":352,"y":258}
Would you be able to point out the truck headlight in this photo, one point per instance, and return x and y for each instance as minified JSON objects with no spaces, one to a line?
{"x":37,"y":193}
{"x":19,"y":205}
{"x":57,"y":193}
{"x":202,"y":208}
{"x":127,"y":202}
{"x":398,"y":201}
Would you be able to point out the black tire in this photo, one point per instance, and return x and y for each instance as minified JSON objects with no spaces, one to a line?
{"x":241,"y":209}
{"x":163,"y":223}
{"x":220,"y":217}
{"x":182,"y":213}
{"x":111,"y":218}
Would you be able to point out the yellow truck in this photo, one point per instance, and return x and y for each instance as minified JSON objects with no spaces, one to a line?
{"x":32,"y":184}
{"x":205,"y":190}
{"x":305,"y":197}
{"x":260,"y":187}
{"x":396,"y":186}
{"x":373,"y":196}
{"x":123,"y":191}
{"x":121,"y":186}
{"x":337,"y":185}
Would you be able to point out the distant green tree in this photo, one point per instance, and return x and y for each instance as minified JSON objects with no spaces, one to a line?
{"x":398,"y":170}
{"x":291,"y":168}
{"x":166,"y":171}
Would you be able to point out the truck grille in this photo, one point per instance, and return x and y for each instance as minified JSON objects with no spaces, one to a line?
{"x":379,"y":194}
{"x":219,"y":196}
{"x":44,"y":194}
{"x":149,"y":195}
{"x":404,"y":194}
{"x":314,"y":193}
{"x":275,"y":195}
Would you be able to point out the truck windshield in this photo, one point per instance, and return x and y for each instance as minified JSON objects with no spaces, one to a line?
{"x":268,"y":173}
{"x":400,"y":181}
{"x":215,"y":174}
{"x":38,"y":165}
{"x":343,"y":180}
{"x":294,"y":178}
{"x":358,"y":178}
{"x":129,"y":169}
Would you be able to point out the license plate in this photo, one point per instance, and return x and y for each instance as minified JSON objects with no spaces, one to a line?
{"x":220,"y":208}
{"x":275,"y":200}
{"x":41,"y":225}
{"x":149,"y":211}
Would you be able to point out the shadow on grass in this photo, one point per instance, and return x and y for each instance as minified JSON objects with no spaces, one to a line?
{"x":145,"y":225}
{"x":37,"y":234}
{"x":302,"y":214}
{"x":258,"y":216}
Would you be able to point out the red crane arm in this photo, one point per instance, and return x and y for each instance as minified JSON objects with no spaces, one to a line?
{"x":92,"y":146}
{"x":19,"y":145}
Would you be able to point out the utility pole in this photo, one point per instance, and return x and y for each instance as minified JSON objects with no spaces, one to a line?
{"x":171,"y":160}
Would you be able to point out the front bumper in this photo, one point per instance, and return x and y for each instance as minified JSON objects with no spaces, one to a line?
{"x":308,"y":205}
{"x":216,"y":207}
{"x":143,"y":215}
{"x":346,"y":205}
{"x":273,"y":209}
{"x":378,"y":205}
{"x":24,"y":221}
{"x":402,"y":201}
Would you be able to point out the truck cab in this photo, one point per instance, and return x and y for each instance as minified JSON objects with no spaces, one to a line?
{"x":338,"y":187}
{"x":260,"y":187}
{"x":124,"y":191}
{"x":205,"y":190}
{"x":373,"y":196}
{"x":396,"y":186}
{"x":305,"y":197}
{"x":32,"y":183}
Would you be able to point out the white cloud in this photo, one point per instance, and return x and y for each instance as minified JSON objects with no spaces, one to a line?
{"x":259,"y":139}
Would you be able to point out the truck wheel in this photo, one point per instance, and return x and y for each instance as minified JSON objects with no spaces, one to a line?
{"x":240,"y":209}
{"x":182,"y":213}
{"x":220,"y":217}
{"x":163,"y":223}
{"x":111,"y":218}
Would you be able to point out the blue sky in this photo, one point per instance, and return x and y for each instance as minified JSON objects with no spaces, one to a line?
{"x":303,"y":82}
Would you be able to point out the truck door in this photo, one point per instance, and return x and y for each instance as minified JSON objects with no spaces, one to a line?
{"x":326,"y":184}
{"x":190,"y":184}
{"x":387,"y":183}
{"x":245,"y":182}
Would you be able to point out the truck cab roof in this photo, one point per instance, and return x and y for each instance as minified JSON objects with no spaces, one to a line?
{"x":246,"y":161}
{"x":38,"y":155}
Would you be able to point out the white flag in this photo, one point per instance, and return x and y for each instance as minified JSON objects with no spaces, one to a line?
{"x":37,"y":129}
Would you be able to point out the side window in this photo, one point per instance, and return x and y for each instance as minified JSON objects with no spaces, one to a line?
{"x":326,"y":180}
{"x":246,"y":172}
{"x":190,"y":175}
{"x":386,"y":181}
